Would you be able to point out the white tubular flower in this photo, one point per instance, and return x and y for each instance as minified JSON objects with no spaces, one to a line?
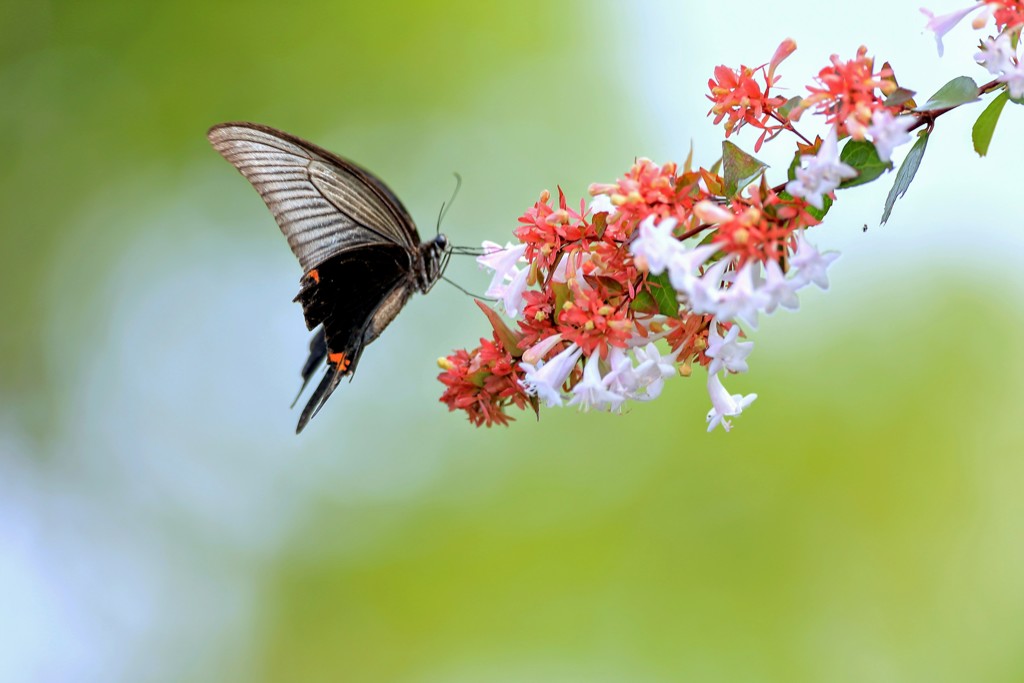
{"x":545,"y":380}
{"x":621,"y":378}
{"x":996,"y":54}
{"x":777,"y":290}
{"x":943,"y":24}
{"x":502,"y":260}
{"x":723,"y":404}
{"x":1013,"y":77}
{"x":887,"y":132}
{"x":705,"y":294}
{"x":726,"y":352}
{"x":602,"y":203}
{"x":651,"y":371}
{"x":743,"y":299}
{"x":512,"y":296}
{"x":563,"y":273}
{"x":592,"y":391}
{"x":682,"y":269}
{"x":655,"y":244}
{"x":820,"y":174}
{"x":536,"y":353}
{"x":811,"y":266}
{"x":1000,"y":58}
{"x":559,"y":273}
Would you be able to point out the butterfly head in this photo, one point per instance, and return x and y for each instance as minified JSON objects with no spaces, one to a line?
{"x":435,"y":254}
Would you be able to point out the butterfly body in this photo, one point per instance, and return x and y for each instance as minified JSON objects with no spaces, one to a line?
{"x":359,"y":249}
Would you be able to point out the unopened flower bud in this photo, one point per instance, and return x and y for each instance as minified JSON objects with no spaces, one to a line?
{"x":558,"y":217}
{"x":445,"y":364}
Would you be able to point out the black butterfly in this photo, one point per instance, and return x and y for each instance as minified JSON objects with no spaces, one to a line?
{"x":357,"y":245}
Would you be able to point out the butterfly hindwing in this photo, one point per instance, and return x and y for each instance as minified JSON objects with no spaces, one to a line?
{"x":347,"y":297}
{"x":344,"y":353}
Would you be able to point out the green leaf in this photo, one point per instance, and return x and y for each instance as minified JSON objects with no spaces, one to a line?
{"x":657,"y":297}
{"x":479,"y":377}
{"x":561,"y":291}
{"x":508,"y":338}
{"x":826,"y":204}
{"x":708,"y":239}
{"x":863,"y":156}
{"x":793,"y":165}
{"x":960,"y":90}
{"x":899,"y":97}
{"x":663,"y":292}
{"x":985,"y":126}
{"x":643,"y":302}
{"x":908,"y":169}
{"x":740,"y":168}
{"x":789,"y":105}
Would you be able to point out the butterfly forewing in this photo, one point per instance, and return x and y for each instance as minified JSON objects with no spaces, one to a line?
{"x":323,"y":204}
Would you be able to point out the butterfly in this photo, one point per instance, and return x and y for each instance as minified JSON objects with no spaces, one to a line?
{"x":361,"y":256}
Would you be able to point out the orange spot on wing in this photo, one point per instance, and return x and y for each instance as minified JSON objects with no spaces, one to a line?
{"x":339,"y":360}
{"x":314,"y":275}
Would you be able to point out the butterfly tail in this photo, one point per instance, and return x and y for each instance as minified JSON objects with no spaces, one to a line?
{"x":339,"y":365}
{"x":317,"y":355}
{"x":320,"y":395}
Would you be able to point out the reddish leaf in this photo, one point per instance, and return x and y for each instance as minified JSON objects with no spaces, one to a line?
{"x":508,"y":338}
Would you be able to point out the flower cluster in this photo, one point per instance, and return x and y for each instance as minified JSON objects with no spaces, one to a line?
{"x":671,"y":267}
{"x":1008,"y":14}
{"x":740,"y":100}
{"x":849,"y":93}
{"x":998,"y":54}
{"x":483,"y":384}
{"x":611,"y":301}
{"x":587,"y":318}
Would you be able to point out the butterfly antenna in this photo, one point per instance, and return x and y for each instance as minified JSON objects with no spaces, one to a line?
{"x":466,"y":291}
{"x":467,"y":251}
{"x":447,"y":205}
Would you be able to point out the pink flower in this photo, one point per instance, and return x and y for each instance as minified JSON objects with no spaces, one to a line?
{"x":942,"y":24}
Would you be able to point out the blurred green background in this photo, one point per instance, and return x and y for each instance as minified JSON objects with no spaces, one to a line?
{"x":159,"y":521}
